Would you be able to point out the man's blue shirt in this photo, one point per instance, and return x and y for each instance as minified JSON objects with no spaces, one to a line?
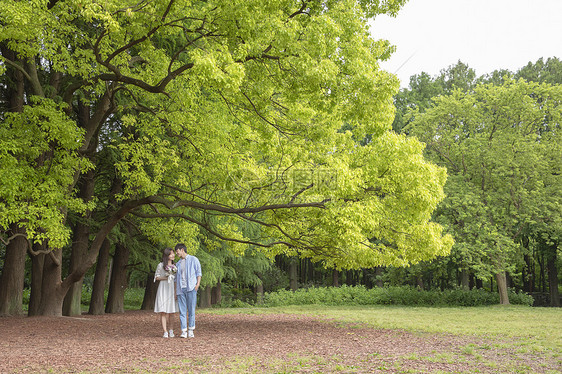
{"x":188,"y":281}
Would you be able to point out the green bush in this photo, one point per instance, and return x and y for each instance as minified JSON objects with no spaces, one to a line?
{"x":133,"y":298}
{"x":404,"y":295}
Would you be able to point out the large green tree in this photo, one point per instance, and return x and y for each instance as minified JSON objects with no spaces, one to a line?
{"x":502,"y":147}
{"x":219,"y":112}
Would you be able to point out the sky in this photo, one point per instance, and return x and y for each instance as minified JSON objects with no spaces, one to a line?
{"x":431,"y":35}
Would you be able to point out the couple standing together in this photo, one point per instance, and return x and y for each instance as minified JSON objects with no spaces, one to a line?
{"x":177,"y":289}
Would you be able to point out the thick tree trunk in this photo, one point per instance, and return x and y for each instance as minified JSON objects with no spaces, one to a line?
{"x":553,"y":277}
{"x":52,"y":291}
{"x":293,"y":274}
{"x":335,"y":278}
{"x":216,"y":294}
{"x":118,"y":283}
{"x":72,"y":305}
{"x":13,"y":275}
{"x":97,"y":302}
{"x":502,"y":287}
{"x":37,"y":262}
{"x":13,"y":272}
{"x":149,"y":293}
{"x":205,"y":297}
{"x":259,"y":293}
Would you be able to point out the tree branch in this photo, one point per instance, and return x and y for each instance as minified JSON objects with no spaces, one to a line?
{"x":209,"y":229}
{"x":18,"y":67}
{"x":225,"y":209}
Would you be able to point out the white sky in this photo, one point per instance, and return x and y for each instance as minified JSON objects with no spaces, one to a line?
{"x":431,"y":35}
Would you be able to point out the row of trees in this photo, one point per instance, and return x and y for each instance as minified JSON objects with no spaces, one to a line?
{"x":232,"y":126}
{"x":529,"y":255}
{"x":260,"y":134}
{"x":499,"y":137}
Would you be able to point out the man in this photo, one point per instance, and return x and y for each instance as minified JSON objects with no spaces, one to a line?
{"x":188,"y":279}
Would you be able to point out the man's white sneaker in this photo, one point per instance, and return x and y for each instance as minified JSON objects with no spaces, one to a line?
{"x":190,"y":334}
{"x":184,"y":334}
{"x":171,"y":333}
{"x":165,"y":335}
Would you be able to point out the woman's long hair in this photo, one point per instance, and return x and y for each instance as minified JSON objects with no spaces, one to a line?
{"x":165,"y":254}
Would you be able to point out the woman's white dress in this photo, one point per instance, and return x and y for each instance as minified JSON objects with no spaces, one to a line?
{"x":165,"y":299}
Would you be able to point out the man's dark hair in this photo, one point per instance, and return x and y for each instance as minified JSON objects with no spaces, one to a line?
{"x":181,"y":246}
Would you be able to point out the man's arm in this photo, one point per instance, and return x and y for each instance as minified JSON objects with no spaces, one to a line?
{"x":198,"y":281}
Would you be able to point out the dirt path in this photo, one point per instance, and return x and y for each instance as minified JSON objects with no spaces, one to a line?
{"x":238,"y":343}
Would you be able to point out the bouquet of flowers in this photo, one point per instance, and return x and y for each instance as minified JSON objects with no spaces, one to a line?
{"x":171,"y":270}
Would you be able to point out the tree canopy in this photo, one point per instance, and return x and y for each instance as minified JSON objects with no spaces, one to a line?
{"x":219,"y":115}
{"x":502,"y":147}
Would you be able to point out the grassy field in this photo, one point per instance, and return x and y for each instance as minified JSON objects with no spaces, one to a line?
{"x":516,"y":334}
{"x":541,"y":326}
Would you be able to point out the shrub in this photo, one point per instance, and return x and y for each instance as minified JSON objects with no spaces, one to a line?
{"x":403,"y":295}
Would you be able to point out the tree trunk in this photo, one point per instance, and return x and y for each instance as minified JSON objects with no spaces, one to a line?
{"x":528,"y":274}
{"x":293,"y":276}
{"x":205,"y":297}
{"x":465,"y":279}
{"x":52,"y":292}
{"x":216,"y":294}
{"x":149,"y":293}
{"x":13,"y":275}
{"x":259,"y":293}
{"x":53,"y":289}
{"x":478,"y":283}
{"x":15,"y":91}
{"x":13,"y":272}
{"x":97,"y":301}
{"x":502,"y":287}
{"x":378,"y":276}
{"x":542,"y":277}
{"x":37,"y":262}
{"x":367,"y":278}
{"x":118,"y":283}
{"x":335,"y":278}
{"x":72,"y":305}
{"x":419,"y":281}
{"x":553,"y":277}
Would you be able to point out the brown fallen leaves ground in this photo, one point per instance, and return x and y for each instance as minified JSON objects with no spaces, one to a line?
{"x":242,"y":343}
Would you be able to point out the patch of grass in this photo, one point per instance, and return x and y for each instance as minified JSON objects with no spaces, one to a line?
{"x":468,"y":350}
{"x":512,"y":335}
{"x":537,"y":328}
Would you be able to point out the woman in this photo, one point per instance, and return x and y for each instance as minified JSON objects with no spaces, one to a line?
{"x":165,"y":296}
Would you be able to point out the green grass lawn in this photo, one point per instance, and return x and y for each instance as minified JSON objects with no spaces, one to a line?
{"x":519,"y":329}
{"x":542,"y":325}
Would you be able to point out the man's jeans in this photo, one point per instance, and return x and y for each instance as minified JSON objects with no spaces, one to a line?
{"x":187,"y":300}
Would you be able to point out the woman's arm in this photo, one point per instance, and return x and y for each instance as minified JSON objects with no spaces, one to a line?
{"x":160,"y":274}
